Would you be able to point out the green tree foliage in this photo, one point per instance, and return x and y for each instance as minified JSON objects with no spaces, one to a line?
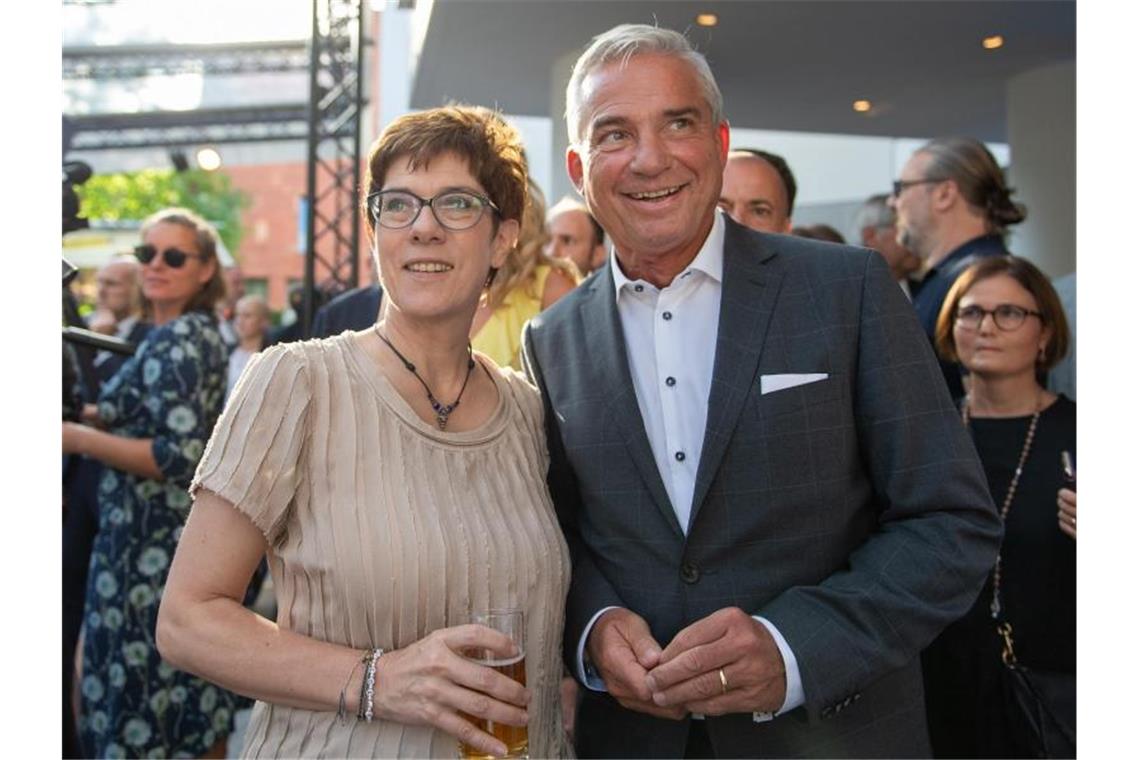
{"x":137,"y":195}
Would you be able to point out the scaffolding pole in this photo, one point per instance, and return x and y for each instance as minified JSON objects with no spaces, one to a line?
{"x":336,"y":102}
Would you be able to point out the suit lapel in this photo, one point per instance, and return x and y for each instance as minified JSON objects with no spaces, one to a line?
{"x":602,"y":325}
{"x":751,"y":283}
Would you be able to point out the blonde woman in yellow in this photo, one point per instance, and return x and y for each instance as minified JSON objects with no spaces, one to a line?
{"x":529,"y":282}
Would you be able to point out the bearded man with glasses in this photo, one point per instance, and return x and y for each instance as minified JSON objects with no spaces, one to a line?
{"x":953,"y":207}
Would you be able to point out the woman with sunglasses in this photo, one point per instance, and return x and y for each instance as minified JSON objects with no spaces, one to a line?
{"x":155,"y":416}
{"x":1004,"y":323}
{"x":396,"y":481}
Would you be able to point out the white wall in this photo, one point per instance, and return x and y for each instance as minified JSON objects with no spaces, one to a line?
{"x":1041,"y":121}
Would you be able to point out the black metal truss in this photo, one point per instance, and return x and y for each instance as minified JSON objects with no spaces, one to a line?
{"x":133,"y":61}
{"x":149,"y":129}
{"x":336,"y":101}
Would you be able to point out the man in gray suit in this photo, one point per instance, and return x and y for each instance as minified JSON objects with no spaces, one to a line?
{"x":770,"y":502}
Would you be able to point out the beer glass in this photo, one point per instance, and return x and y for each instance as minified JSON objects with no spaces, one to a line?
{"x":512,"y":622}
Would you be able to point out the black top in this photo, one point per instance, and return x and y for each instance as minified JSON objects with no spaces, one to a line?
{"x":962,"y":669}
{"x":1039,"y":562}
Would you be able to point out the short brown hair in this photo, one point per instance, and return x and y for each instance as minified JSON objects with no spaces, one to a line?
{"x":492,"y":148}
{"x":1029,"y":277}
{"x":206,"y":238}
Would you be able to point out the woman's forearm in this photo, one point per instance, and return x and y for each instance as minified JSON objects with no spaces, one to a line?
{"x":225,"y":643}
{"x":133,"y":455}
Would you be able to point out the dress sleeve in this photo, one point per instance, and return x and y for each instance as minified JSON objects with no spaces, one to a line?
{"x":177,"y":378}
{"x":254,"y":458}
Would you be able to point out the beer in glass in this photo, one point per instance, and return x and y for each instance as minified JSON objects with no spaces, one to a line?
{"x":512,"y":622}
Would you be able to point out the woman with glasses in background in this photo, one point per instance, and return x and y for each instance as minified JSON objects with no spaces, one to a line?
{"x":1004,"y":323}
{"x":396,"y":481}
{"x":153,"y":419}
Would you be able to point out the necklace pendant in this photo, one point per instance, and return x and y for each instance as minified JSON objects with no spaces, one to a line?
{"x":442,"y":412}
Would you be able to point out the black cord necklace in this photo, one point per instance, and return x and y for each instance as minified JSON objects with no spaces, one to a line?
{"x":442,"y":411}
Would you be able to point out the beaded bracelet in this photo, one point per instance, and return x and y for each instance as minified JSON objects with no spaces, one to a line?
{"x":368,"y":686}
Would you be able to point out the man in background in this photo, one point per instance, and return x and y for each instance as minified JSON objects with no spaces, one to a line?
{"x":575,"y":235}
{"x":759,"y":190}
{"x":118,"y":313}
{"x":876,"y":224}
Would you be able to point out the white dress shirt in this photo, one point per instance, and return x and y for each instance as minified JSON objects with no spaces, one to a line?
{"x":670,"y":338}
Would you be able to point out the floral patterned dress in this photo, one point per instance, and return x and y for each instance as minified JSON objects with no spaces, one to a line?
{"x":134,"y":704}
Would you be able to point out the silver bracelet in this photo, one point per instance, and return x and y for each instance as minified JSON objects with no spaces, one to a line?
{"x":369,"y":689}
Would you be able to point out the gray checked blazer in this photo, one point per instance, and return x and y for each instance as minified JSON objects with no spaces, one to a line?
{"x":851,"y":512}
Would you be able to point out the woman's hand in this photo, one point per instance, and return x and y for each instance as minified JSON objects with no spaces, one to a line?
{"x":89,"y":415}
{"x":430,"y":682}
{"x":1067,"y":512}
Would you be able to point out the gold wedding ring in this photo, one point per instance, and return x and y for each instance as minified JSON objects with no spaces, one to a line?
{"x":723,"y":681}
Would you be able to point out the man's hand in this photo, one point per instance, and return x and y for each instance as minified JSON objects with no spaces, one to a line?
{"x":102,"y":321}
{"x":729,"y":641}
{"x":623,"y":650}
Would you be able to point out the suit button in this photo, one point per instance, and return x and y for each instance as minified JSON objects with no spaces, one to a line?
{"x":690,"y":573}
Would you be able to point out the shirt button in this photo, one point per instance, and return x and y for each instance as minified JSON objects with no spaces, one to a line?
{"x":670,"y":381}
{"x":679,"y":456}
{"x":639,"y":288}
{"x":667,"y":316}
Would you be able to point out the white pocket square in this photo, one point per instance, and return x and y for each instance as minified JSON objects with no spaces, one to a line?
{"x":770,"y":383}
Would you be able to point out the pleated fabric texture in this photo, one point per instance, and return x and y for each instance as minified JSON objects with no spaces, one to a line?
{"x":383,"y":529}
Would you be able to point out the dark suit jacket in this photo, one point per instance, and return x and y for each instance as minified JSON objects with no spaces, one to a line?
{"x":850,"y":512}
{"x":354,"y":310}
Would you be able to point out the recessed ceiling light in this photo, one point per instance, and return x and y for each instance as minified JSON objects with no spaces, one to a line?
{"x":993,"y":42}
{"x":862,"y":106}
{"x":706,"y":19}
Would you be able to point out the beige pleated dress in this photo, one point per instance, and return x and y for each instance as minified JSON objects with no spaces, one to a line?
{"x":383,"y":529}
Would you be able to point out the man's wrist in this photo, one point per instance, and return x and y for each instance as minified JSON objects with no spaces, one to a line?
{"x":793,"y":684}
{"x":589,"y":675}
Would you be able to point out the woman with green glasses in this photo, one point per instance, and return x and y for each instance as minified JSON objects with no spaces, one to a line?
{"x":396,"y":480}
{"x":1004,"y":323}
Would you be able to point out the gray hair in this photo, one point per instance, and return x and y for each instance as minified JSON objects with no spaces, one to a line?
{"x":624,"y":42}
{"x":969,"y":163}
{"x":875,"y":213}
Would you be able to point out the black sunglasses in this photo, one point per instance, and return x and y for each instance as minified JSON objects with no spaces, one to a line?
{"x":899,"y":185}
{"x":173,"y":257}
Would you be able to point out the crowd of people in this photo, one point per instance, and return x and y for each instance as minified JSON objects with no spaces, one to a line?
{"x":757,"y":491}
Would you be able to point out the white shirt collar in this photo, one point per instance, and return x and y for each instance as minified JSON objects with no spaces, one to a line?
{"x":123,"y":329}
{"x":709,"y":259}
